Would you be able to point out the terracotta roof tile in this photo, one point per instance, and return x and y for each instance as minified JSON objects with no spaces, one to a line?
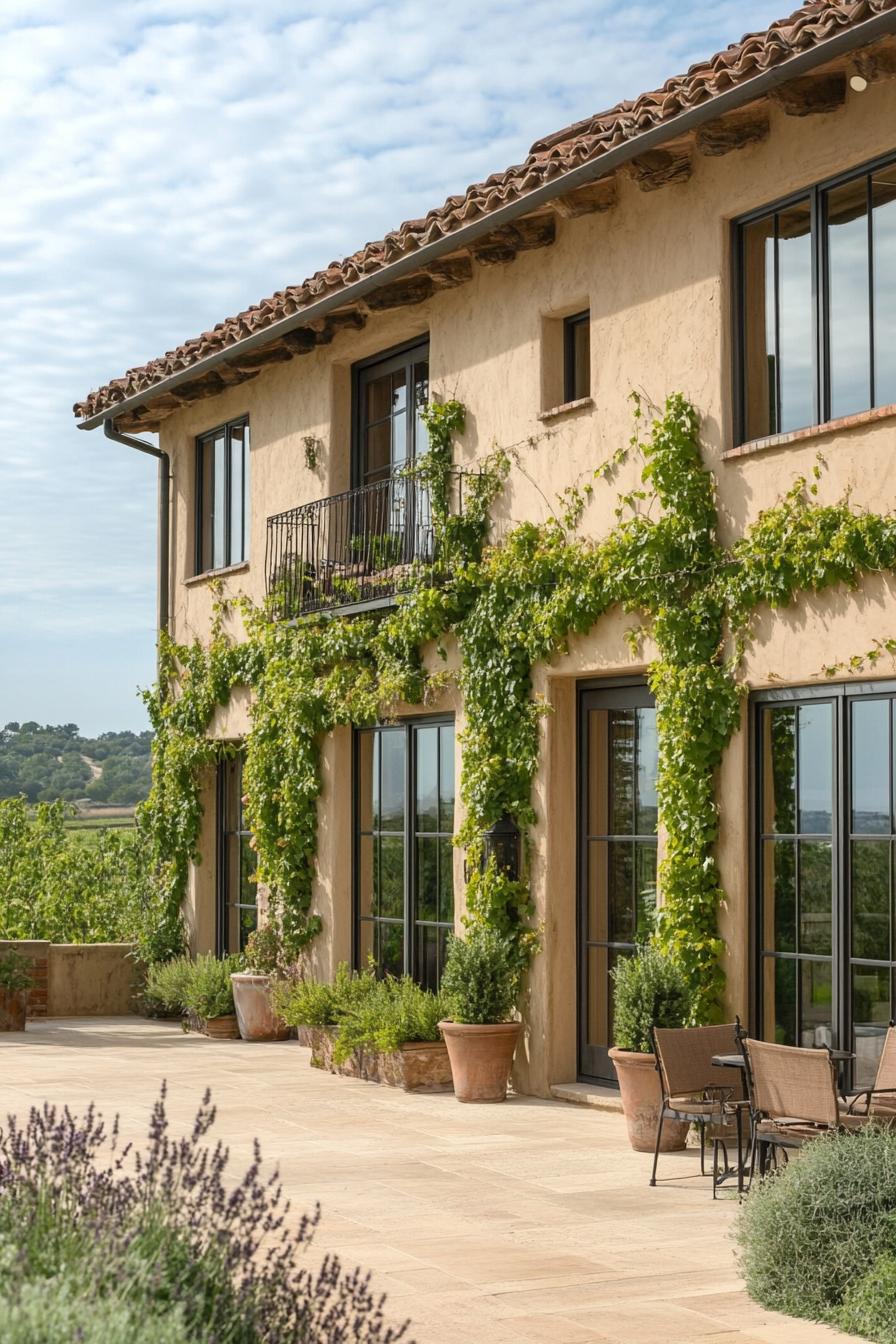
{"x":812,"y":24}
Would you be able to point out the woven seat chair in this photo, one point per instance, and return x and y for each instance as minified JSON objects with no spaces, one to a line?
{"x":696,"y":1090}
{"x":794,"y":1099}
{"x":879,"y":1099}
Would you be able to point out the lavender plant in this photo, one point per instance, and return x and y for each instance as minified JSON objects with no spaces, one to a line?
{"x":101,"y":1243}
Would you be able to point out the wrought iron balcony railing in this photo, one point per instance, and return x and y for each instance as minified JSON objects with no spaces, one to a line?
{"x":362,"y":547}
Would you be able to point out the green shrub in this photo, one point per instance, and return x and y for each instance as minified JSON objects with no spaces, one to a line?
{"x":481,"y":979}
{"x":208,"y":990}
{"x":649,"y":989}
{"x":165,"y":992}
{"x":384,"y":1014}
{"x":66,"y":1311}
{"x":305,"y":1003}
{"x":15,"y":971}
{"x":869,"y":1306}
{"x":367,"y":1011}
{"x":818,"y":1238}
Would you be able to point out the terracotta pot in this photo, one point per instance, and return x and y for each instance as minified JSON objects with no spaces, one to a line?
{"x":217,"y":1028}
{"x":252,"y":1001}
{"x":642,"y":1100}
{"x":13,"y":1006}
{"x":481,"y":1058}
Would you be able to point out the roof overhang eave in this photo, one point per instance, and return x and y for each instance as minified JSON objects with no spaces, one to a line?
{"x":850,"y":39}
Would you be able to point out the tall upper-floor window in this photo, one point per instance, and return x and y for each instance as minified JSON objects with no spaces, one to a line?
{"x":222,"y":496}
{"x":817,"y":310}
{"x":390,"y":393}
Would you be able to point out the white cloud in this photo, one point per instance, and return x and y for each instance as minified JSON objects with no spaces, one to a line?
{"x":168,"y":162}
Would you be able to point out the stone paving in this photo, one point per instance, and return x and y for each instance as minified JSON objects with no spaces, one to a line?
{"x":530,"y":1221}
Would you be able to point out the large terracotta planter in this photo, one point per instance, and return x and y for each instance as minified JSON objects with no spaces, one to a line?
{"x":481,"y":1058}
{"x":254,"y":1013}
{"x":416,"y":1066}
{"x":13,"y":1007}
{"x":642,"y":1100}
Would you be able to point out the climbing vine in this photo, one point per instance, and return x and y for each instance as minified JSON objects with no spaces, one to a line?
{"x":512,"y":604}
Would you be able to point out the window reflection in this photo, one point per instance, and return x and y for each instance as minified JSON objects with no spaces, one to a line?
{"x":810,"y":355}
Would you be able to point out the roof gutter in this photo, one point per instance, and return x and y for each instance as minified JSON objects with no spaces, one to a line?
{"x":164,"y":530}
{"x":842,"y":43}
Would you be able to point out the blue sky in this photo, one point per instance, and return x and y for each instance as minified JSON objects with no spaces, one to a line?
{"x":169,"y":162}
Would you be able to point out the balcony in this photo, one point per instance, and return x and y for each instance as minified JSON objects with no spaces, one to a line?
{"x":354,"y":551}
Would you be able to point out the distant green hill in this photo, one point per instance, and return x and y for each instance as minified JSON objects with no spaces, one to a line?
{"x":48,"y":761}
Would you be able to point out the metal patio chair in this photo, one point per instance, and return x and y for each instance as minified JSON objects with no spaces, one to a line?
{"x":794,"y":1099}
{"x":696,"y":1090}
{"x":880,"y":1098}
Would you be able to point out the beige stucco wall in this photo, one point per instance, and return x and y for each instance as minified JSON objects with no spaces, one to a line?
{"x":92,"y":980}
{"x":655,"y":271}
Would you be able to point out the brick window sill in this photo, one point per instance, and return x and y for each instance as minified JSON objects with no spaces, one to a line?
{"x":858,"y":421}
{"x":567,"y":408}
{"x":209,"y":574}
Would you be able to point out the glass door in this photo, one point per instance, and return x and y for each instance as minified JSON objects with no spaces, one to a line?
{"x":390,"y":393}
{"x":617,"y":853}
{"x":237,"y":892}
{"x":825,"y":870}
{"x":404,"y":850}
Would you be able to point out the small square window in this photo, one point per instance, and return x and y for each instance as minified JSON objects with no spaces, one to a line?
{"x":577,"y":356}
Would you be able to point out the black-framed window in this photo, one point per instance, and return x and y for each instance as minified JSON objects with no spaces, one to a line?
{"x":618,"y":759}
{"x":390,"y":391}
{"x":404,"y":852}
{"x":577,"y":356}
{"x":237,"y":892}
{"x":817,"y":304}
{"x":222,"y":496}
{"x":826,"y":902}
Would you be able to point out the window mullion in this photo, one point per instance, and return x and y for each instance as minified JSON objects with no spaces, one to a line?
{"x":410,"y":865}
{"x":869,"y":198}
{"x":821,"y":345}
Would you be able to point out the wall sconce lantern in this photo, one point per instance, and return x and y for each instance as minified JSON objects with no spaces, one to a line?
{"x":501,"y":842}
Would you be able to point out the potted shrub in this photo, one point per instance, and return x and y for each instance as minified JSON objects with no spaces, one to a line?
{"x":265,"y":962}
{"x":15,"y":982}
{"x":480,"y":987}
{"x":208,"y":997}
{"x":382,"y":1030}
{"x":649,"y":989}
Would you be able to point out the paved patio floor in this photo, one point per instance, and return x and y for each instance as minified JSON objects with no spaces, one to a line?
{"x":530,"y":1221}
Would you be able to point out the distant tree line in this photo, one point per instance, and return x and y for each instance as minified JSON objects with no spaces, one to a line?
{"x":49,"y":761}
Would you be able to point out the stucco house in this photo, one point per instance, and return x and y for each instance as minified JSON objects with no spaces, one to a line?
{"x":732,"y":236}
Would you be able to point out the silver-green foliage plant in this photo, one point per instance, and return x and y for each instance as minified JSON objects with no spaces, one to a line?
{"x":818,"y":1237}
{"x":165,"y":992}
{"x":481,"y":979}
{"x":209,"y":991}
{"x":649,"y":989}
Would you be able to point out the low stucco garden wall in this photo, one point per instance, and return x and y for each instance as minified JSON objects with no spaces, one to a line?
{"x":80,"y":979}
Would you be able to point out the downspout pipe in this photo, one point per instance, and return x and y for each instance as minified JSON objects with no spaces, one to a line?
{"x":164,"y":532}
